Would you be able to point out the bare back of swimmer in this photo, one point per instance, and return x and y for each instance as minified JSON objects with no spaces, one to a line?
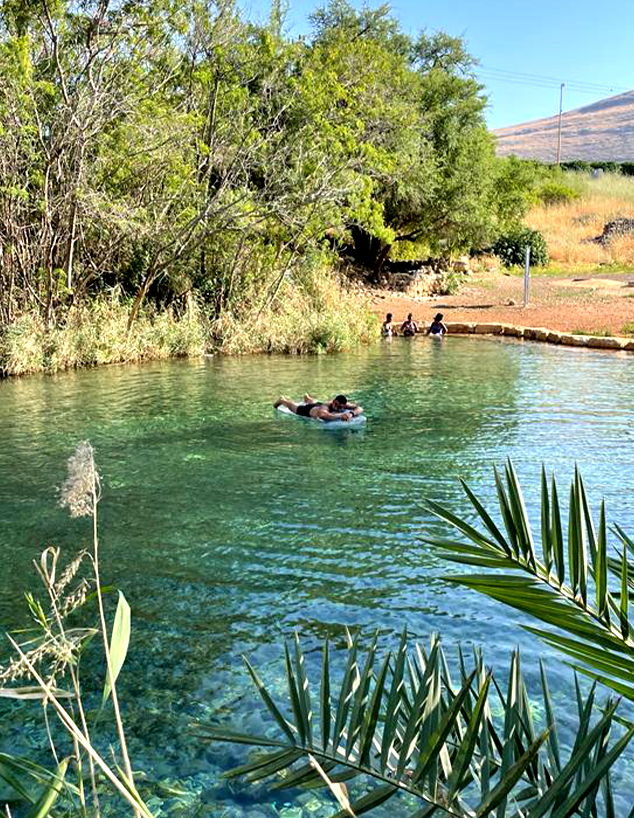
{"x":339,"y":408}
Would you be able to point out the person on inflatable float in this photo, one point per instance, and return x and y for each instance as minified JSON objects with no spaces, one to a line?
{"x":336,"y":409}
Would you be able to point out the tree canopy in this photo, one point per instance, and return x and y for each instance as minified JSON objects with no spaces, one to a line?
{"x":171,"y":149}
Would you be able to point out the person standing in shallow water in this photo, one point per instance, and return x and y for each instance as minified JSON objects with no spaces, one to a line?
{"x":437,"y":327}
{"x":409,"y":327}
{"x":387,"y":330}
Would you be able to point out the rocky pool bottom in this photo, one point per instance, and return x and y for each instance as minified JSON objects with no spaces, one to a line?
{"x":228,"y":528}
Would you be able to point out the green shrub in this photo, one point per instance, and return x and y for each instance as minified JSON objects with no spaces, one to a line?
{"x":510,"y":247}
{"x":557,"y":192}
{"x":450,"y":283}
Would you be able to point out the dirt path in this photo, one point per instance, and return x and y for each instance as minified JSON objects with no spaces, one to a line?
{"x":602,"y":303}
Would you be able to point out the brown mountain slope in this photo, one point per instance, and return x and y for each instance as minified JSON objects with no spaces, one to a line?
{"x":603,"y":131}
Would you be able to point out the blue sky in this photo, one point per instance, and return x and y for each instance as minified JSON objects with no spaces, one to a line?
{"x":587,"y":45}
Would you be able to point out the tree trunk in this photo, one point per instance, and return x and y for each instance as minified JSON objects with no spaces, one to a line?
{"x":369,"y":251}
{"x":70,"y":246}
{"x":138,"y":299}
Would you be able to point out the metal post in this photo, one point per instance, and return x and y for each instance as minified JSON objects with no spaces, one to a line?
{"x":527,"y":273}
{"x":561,"y":108}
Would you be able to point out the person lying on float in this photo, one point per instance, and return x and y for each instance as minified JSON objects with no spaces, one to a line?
{"x":339,"y":408}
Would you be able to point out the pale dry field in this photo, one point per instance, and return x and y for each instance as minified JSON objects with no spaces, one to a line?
{"x":569,"y":227}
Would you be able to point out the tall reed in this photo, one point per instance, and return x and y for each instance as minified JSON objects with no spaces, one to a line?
{"x":48,"y":656}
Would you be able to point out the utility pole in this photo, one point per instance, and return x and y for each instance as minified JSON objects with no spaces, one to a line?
{"x":561,"y":108}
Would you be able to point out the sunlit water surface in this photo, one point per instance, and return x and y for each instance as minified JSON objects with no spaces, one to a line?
{"x":228,"y":526}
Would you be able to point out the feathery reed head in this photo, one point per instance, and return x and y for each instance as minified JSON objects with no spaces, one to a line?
{"x":80,"y":491}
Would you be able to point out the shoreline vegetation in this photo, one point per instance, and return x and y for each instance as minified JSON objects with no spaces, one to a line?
{"x":329,"y":319}
{"x":178,"y":177}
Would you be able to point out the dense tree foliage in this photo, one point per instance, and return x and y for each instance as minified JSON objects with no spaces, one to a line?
{"x":173,"y":150}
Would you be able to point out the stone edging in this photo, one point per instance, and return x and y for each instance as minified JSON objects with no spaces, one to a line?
{"x":542,"y":334}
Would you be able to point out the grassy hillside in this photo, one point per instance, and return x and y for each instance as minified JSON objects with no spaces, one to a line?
{"x":569,"y":226}
{"x":601,"y":131}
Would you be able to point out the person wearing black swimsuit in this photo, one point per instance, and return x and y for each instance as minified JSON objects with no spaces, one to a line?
{"x":338,"y":408}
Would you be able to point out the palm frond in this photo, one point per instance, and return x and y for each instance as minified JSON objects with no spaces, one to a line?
{"x":580,"y":585}
{"x":416,"y":732}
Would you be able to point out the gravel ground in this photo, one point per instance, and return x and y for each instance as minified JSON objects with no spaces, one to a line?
{"x":599,"y":303}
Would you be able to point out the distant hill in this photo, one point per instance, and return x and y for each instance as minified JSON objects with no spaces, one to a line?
{"x":603,"y":131}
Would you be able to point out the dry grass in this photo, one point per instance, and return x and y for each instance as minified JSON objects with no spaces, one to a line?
{"x":96,"y":333}
{"x":569,"y":226}
{"x":324,"y":317}
{"x":316,"y":314}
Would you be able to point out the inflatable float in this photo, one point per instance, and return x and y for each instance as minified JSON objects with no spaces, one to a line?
{"x":358,"y":420}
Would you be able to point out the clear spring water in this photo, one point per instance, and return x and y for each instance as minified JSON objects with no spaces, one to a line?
{"x":228,"y":526}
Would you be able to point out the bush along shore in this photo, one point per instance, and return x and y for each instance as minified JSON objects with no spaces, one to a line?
{"x":327,"y":320}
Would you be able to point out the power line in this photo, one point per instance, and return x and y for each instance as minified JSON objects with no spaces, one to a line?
{"x":545,"y":81}
{"x":558,"y":80}
{"x":493,"y":78}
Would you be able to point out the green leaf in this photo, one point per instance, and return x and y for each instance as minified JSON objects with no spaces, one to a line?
{"x":592,"y":537}
{"x":599,"y":770}
{"x":581,"y":752}
{"x":581,"y":539}
{"x":360,"y":700}
{"x":274,"y":766}
{"x":520,"y":515}
{"x":468,"y":530}
{"x":303,"y":691}
{"x":465,"y":752}
{"x":486,"y":519}
{"x":627,"y":541}
{"x":305,"y":775}
{"x":300,"y":717}
{"x":119,"y":642}
{"x":25,"y":766}
{"x":601,"y":568}
{"x":547,"y":540}
{"x":510,"y":778}
{"x":551,"y":725}
{"x":345,"y":694}
{"x":324,"y":695}
{"x":625,"y":624}
{"x":14,"y":782}
{"x":573,"y":541}
{"x":45,"y":803}
{"x":371,"y":719}
{"x":373,"y":799}
{"x":557,"y":536}
{"x":507,"y":515}
{"x":263,"y":761}
{"x":432,"y":747}
{"x":394,"y":703}
{"x":268,"y":701}
{"x":252,"y":739}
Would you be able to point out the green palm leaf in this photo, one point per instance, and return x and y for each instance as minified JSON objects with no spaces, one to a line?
{"x":416,"y":733}
{"x":600,"y":585}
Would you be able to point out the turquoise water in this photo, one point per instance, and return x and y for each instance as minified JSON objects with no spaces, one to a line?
{"x":228,"y":525}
